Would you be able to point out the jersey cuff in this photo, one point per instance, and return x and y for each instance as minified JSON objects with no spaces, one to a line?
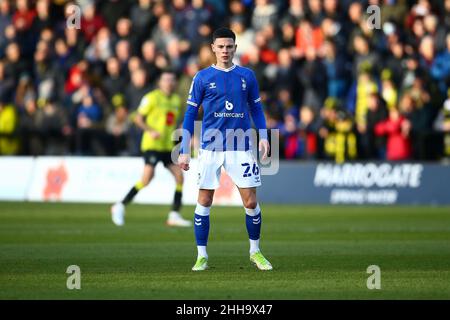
{"x":192,"y":103}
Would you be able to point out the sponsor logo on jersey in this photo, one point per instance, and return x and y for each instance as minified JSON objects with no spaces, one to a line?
{"x":228,"y":106}
{"x":228,"y":115}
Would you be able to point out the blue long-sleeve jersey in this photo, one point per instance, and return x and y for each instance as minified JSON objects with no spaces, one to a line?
{"x":229,"y":97}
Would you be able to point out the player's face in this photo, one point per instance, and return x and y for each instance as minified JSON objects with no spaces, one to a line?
{"x":167,"y":82}
{"x":224,"y":49}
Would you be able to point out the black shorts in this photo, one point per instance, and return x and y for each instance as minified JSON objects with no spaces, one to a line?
{"x":153,"y":157}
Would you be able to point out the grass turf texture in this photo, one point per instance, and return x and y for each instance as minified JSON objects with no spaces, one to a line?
{"x":318,"y":252}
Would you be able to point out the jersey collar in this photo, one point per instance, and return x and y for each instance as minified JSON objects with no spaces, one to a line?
{"x":225,"y":70}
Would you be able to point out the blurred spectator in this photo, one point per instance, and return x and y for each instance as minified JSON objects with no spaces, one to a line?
{"x":244,"y":36}
{"x":447,"y":14}
{"x":14,"y":65}
{"x":29,"y":129}
{"x":285,"y":74}
{"x":388,"y":90}
{"x":363,"y":55}
{"x":143,"y":19}
{"x":185,"y":80}
{"x":45,"y":76}
{"x":308,"y":37}
{"x":393,"y":11}
{"x":133,"y":95}
{"x":88,"y":117}
{"x":113,"y":10}
{"x":123,"y":54}
{"x":374,"y":146}
{"x":332,"y":31}
{"x":124,"y":31}
{"x":435,"y":31}
{"x":54,"y":128}
{"x":396,"y":62}
{"x":440,"y":69}
{"x":396,"y":128}
{"x":196,"y":24}
{"x":149,"y":60}
{"x":5,"y":22}
{"x":44,"y":18}
{"x":315,"y":13}
{"x":337,"y":133}
{"x":414,"y":107}
{"x":268,"y":55}
{"x":359,"y":93}
{"x":175,"y":58}
{"x":331,"y":9}
{"x":100,"y":49}
{"x":287,"y":34}
{"x":205,"y":56}
{"x":312,"y":75}
{"x":117,"y":126}
{"x":91,"y":21}
{"x":24,"y":16}
{"x":113,"y":82}
{"x":9,"y":142}
{"x":442,"y":124}
{"x":264,"y":13}
{"x":7,"y":84}
{"x":64,"y":57}
{"x":134,"y":64}
{"x":136,"y":89}
{"x":75,"y":41}
{"x":238,"y":11}
{"x":296,"y":12}
{"x":289,"y":135}
{"x":76,"y":77}
{"x":426,"y":50}
{"x":345,"y":147}
{"x":355,"y":16}
{"x":335,"y":66}
{"x":308,"y":130}
{"x":164,"y":32}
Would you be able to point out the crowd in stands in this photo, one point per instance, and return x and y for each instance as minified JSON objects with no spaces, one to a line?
{"x":338,"y":81}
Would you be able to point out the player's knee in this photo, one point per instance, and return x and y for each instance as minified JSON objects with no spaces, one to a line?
{"x":205,"y":200}
{"x":251,"y":203}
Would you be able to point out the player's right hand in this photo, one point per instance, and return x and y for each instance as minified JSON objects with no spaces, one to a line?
{"x":155,"y":134}
{"x":183,"y":161}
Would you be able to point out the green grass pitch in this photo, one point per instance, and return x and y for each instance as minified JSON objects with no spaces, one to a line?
{"x":318,"y":252}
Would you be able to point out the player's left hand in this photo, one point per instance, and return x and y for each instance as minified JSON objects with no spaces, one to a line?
{"x":183,"y":161}
{"x":264,"y":147}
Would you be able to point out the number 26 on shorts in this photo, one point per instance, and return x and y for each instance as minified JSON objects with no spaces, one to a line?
{"x":247,"y":166}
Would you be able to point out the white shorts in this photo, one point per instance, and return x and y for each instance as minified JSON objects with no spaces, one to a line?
{"x":241,"y":166}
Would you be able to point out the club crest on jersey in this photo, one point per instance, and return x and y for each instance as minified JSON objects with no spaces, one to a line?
{"x":244,"y":84}
{"x":212,"y":85}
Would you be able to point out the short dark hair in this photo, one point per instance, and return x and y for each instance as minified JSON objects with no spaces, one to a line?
{"x":168,"y":70}
{"x":223,"y":33}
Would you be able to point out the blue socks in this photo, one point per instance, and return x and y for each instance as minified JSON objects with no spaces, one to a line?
{"x":201,"y":228}
{"x":201,"y":225}
{"x":253,"y":222}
